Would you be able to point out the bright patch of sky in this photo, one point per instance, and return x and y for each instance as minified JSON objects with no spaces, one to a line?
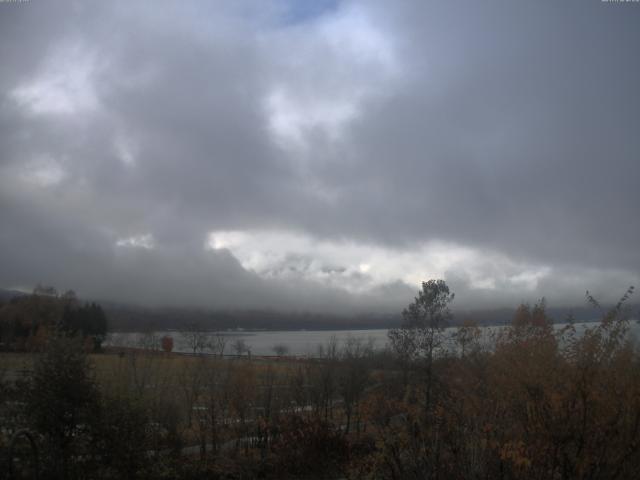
{"x":301,"y":11}
{"x":43,"y":171}
{"x":290,"y":117}
{"x":63,"y":84}
{"x":355,"y":34}
{"x":359,"y":63}
{"x":124,"y":150}
{"x":137,"y":241}
{"x":359,"y":267}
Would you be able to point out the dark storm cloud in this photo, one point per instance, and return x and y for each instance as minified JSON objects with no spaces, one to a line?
{"x":508,"y":128}
{"x":518,"y":131}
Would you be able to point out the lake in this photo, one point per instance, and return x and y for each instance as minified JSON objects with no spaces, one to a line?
{"x":298,"y":342}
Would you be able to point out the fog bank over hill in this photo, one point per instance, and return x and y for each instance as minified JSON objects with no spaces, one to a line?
{"x":130,"y":318}
{"x":136,"y":318}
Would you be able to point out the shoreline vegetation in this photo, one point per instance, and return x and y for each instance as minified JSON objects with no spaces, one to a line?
{"x":537,"y":401}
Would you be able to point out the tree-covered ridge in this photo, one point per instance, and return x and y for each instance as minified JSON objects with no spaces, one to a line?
{"x":28,"y":321}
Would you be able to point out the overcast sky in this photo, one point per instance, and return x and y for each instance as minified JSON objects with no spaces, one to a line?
{"x":323,"y":155}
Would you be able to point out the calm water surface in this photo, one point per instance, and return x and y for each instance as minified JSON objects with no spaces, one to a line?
{"x":298,"y":342}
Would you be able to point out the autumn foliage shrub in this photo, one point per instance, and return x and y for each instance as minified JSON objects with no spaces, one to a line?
{"x":167,"y":343}
{"x":542,"y":403}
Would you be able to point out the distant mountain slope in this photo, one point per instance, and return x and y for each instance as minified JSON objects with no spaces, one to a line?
{"x":9,"y":294}
{"x":127,"y":317}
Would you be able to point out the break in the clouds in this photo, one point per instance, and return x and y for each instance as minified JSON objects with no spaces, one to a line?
{"x":320,"y":155}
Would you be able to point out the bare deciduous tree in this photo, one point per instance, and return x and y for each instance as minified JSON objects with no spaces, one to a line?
{"x":280,"y":349}
{"x":195,"y":338}
{"x":239,"y":346}
{"x":421,"y":335}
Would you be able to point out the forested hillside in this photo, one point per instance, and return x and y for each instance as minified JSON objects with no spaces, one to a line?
{"x":28,"y":321}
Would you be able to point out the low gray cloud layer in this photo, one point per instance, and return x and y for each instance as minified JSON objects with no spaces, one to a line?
{"x":337,"y":155}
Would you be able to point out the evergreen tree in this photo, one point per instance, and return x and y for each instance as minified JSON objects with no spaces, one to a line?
{"x":62,"y":401}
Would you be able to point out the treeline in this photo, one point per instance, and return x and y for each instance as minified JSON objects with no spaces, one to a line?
{"x":28,"y":321}
{"x":527,"y":401}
